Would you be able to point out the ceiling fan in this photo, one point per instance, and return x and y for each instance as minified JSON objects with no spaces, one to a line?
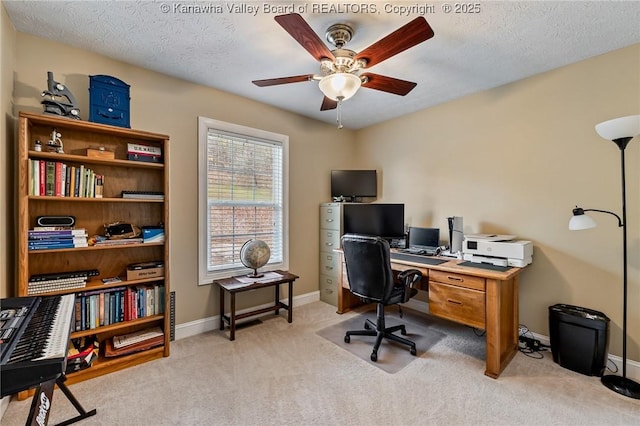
{"x":340,"y":69}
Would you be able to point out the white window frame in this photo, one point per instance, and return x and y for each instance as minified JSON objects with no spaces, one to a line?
{"x":204,"y":124}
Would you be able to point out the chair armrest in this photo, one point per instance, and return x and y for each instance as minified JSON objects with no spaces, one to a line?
{"x":408,"y":279}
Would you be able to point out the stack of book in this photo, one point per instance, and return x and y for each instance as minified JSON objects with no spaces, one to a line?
{"x":81,"y":354}
{"x":49,"y":239}
{"x":100,"y":240}
{"x":134,"y":342}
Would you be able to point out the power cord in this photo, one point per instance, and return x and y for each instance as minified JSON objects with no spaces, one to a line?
{"x":529,"y":345}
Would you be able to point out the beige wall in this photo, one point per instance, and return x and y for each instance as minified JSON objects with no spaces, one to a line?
{"x":167,"y":105}
{"x":515,"y":160}
{"x":7,"y":132}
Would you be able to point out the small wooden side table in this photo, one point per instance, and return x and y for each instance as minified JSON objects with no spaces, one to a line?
{"x":233,"y":285}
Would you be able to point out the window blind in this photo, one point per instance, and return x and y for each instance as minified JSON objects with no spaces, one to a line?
{"x":244,"y":197}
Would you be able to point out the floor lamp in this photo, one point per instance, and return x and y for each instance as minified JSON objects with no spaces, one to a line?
{"x":620,"y":131}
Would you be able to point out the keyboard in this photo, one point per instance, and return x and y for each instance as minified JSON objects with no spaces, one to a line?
{"x":426,"y":251}
{"x":417,"y":258}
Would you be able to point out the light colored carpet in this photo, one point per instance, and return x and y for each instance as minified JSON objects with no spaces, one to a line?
{"x":392,"y":356}
{"x":277,"y":373}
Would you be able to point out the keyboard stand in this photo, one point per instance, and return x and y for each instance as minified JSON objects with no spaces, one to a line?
{"x":41,"y":403}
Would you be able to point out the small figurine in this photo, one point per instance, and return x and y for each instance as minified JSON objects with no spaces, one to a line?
{"x":37,"y":146}
{"x":51,"y":106}
{"x":55,"y":144}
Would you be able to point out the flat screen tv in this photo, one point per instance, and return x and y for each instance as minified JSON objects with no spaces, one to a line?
{"x":352,"y":184}
{"x":382,"y":220}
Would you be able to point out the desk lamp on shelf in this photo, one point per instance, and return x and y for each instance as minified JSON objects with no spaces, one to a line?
{"x":620,"y":131}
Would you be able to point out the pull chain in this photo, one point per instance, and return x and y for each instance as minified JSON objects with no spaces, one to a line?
{"x":339,"y":119}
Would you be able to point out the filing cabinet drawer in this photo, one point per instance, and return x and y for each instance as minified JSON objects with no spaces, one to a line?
{"x":329,"y":264}
{"x":459,"y":304}
{"x":329,"y":240}
{"x":329,"y":289}
{"x":461,"y":280}
{"x":330,"y":216}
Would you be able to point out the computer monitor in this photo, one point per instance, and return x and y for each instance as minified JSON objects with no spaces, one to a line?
{"x":424,"y":237}
{"x":382,"y":220}
{"x":353,"y":184}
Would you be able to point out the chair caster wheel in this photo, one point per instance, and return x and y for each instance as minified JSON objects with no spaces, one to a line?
{"x":403,"y":332}
{"x":374,"y":356}
{"x":367,"y":326}
{"x":347,"y":339}
{"x":413,"y":351}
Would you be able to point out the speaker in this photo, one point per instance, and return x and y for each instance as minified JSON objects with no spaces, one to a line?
{"x":456,"y":235}
{"x":56,"y":220}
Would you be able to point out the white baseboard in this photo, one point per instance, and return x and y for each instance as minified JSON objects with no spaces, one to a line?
{"x":204,"y":325}
{"x":213,"y":323}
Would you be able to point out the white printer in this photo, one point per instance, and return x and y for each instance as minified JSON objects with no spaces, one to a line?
{"x":501,"y":250}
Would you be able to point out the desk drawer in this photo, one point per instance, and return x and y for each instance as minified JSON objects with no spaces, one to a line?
{"x":329,"y":264}
{"x":329,"y":240}
{"x":330,"y":217}
{"x":459,"y":304}
{"x":461,"y":280}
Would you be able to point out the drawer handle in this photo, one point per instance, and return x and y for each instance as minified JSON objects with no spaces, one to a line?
{"x":449,"y":277}
{"x":329,"y":220}
{"x":329,"y":291}
{"x":329,"y":267}
{"x":455,"y":302}
{"x":329,"y":244}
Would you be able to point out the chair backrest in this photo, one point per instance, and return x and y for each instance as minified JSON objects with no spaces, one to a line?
{"x":368,"y":266}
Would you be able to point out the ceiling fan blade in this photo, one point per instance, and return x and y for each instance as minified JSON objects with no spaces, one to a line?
{"x":298,"y":28}
{"x":283,"y":80}
{"x":328,"y":103}
{"x":405,"y":37}
{"x":388,"y":84}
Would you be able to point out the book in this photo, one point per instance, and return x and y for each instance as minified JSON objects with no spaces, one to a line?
{"x":48,"y":232}
{"x":111,"y":351}
{"x":50,"y":179}
{"x":136,"y":337}
{"x":153,"y":195}
{"x":138,"y":148}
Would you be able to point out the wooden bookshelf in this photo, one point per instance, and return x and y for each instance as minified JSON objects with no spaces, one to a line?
{"x":92,"y":214}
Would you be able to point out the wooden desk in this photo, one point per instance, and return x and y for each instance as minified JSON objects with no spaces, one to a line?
{"x":473,"y":296}
{"x":233,"y":286}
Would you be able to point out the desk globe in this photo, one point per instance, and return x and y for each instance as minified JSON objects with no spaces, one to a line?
{"x":254,"y":254}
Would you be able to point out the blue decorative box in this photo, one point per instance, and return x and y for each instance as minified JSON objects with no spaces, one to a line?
{"x":109,"y":100}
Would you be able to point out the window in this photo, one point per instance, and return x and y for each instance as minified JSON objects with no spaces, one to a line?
{"x":242,"y":195}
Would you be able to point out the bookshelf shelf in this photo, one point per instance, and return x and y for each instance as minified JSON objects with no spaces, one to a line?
{"x":91,"y":214}
{"x":117,"y":326}
{"x":102,"y":366}
{"x":74,"y":158}
{"x":92,"y":200}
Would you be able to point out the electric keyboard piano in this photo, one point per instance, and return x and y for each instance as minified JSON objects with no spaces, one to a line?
{"x":34,"y":336}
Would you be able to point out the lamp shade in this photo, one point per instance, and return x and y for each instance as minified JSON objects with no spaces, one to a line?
{"x":580,"y":222}
{"x":340,"y":85}
{"x":623,"y":127}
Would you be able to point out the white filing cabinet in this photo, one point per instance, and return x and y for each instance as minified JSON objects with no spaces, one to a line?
{"x":330,"y":233}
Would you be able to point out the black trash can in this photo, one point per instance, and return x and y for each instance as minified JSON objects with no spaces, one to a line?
{"x":579,"y":338}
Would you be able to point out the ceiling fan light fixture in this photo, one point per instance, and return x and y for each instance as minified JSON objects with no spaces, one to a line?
{"x":340,"y":85}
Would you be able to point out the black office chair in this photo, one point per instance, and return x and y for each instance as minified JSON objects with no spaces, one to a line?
{"x":370,"y":277}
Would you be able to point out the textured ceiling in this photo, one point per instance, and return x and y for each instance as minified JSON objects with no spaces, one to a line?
{"x":226,"y":45}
